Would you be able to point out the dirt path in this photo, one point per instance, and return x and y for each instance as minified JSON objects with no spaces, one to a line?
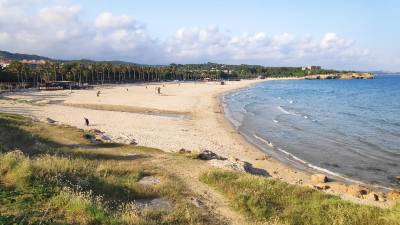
{"x":189,"y":171}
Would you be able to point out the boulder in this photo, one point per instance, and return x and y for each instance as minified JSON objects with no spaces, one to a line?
{"x":209,"y":155}
{"x":319,"y":178}
{"x":397,"y":178}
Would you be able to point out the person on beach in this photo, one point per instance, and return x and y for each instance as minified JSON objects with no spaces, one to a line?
{"x":86,"y":121}
{"x":159,"y":90}
{"x":98,"y":93}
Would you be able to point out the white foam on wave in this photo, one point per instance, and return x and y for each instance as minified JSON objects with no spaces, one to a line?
{"x":275,"y":121}
{"x":284,"y":111}
{"x":292,"y":156}
{"x":264,"y":140}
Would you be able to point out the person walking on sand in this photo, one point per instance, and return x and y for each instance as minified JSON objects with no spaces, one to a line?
{"x":98,"y":93}
{"x":86,"y":121}
{"x":159,"y":90}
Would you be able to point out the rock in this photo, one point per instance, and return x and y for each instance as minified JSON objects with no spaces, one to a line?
{"x":103,"y":138}
{"x":397,"y":178}
{"x":319,"y":178}
{"x":239,"y":166}
{"x":357,"y":190}
{"x":156,"y":203}
{"x":372,"y":196}
{"x":149,"y":181}
{"x":248,"y":168}
{"x":49,"y":120}
{"x":393,"y":195}
{"x":209,"y":155}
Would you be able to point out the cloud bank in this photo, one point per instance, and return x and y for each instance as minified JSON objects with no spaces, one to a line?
{"x":59,"y":30}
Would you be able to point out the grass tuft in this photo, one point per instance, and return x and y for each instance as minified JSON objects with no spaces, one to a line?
{"x":267,"y":199}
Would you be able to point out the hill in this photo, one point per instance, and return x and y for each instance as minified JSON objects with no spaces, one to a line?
{"x":18,"y":56}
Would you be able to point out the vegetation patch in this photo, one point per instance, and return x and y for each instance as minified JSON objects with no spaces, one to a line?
{"x":267,"y":199}
{"x":52,"y":175}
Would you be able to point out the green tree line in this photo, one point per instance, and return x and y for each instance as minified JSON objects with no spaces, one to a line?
{"x":100,"y":73}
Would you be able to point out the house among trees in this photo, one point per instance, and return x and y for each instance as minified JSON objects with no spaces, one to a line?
{"x":311,"y":68}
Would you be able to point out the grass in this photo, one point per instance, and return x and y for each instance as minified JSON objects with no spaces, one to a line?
{"x":53,"y":175}
{"x":266,"y":199}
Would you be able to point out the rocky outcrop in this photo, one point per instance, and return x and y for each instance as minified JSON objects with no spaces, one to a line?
{"x":342,"y":76}
{"x":231,"y":164}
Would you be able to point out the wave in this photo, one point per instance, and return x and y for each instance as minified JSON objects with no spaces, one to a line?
{"x":264,"y":140}
{"x":285,"y":111}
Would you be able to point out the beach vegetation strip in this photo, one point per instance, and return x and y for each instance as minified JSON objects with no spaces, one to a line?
{"x":268,"y":200}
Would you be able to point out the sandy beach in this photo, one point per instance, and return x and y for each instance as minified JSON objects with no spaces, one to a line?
{"x":186,"y":115}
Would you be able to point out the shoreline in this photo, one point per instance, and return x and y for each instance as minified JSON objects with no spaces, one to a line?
{"x":207,"y":129}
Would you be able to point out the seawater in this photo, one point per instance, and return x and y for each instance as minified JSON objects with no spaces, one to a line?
{"x":347,"y":128}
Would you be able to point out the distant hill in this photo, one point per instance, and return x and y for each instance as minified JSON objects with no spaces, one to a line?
{"x":18,"y":56}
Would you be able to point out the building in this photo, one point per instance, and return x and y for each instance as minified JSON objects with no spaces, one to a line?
{"x":311,"y":68}
{"x":4,"y":63}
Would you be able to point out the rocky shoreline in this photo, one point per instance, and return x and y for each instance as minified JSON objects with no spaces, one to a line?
{"x":340,"y":76}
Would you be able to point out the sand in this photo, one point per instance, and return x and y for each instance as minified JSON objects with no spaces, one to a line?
{"x":185,"y":115}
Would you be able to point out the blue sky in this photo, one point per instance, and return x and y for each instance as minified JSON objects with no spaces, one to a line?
{"x":335,"y":34}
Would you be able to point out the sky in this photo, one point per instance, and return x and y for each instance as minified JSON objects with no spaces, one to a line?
{"x":352,"y":34}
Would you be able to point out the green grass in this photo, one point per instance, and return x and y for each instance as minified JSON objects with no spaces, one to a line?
{"x":267,"y":199}
{"x":58,"y":177}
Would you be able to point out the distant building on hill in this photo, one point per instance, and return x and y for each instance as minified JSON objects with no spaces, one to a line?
{"x":4,"y":63}
{"x":33,"y":62}
{"x":311,"y":68}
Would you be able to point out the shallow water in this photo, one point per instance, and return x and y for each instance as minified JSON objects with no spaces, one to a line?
{"x":348,"y":128}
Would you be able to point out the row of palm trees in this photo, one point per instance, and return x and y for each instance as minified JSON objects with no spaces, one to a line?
{"x":100,"y":73}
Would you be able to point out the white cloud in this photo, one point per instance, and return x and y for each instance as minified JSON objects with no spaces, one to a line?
{"x":58,"y":30}
{"x":107,"y":20}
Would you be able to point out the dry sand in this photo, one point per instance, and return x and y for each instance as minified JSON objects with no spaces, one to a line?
{"x":186,"y":115}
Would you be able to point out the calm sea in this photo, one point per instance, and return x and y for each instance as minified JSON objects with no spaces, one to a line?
{"x":346,"y":128}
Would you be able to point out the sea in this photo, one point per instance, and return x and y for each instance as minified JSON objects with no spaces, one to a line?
{"x":348,"y":129}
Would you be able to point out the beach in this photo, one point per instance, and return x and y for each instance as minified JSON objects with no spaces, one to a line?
{"x":185,"y":115}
